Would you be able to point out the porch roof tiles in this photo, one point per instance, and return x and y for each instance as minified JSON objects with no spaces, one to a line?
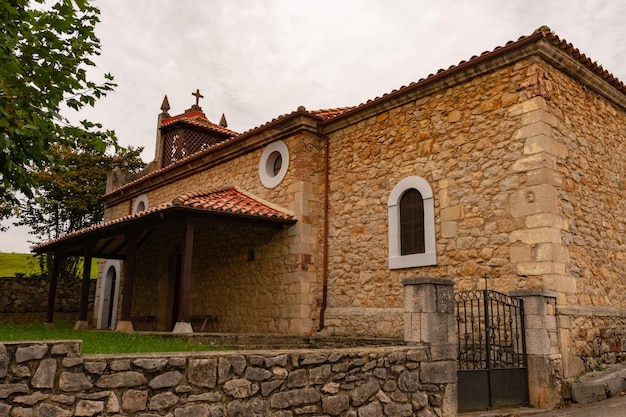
{"x":227,"y":201}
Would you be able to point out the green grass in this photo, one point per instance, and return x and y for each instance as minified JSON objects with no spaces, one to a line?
{"x":32,"y":327}
{"x":25,"y":264}
{"x":18,"y":263}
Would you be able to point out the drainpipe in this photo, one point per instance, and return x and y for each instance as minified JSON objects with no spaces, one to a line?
{"x":325,"y":232}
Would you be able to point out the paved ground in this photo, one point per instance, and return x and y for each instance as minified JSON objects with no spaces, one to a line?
{"x":597,"y":394}
{"x":612,"y":407}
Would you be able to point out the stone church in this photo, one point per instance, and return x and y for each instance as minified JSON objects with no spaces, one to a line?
{"x":506,"y":170}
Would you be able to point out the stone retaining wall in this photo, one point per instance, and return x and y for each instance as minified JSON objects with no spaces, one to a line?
{"x":30,"y":295}
{"x":53,"y":379}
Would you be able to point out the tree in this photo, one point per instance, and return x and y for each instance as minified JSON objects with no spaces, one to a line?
{"x":45,"y":51}
{"x":67,"y":197}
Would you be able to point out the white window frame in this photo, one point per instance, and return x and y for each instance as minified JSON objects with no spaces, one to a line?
{"x":141,"y":199}
{"x":429,"y":257}
{"x":266,"y":164}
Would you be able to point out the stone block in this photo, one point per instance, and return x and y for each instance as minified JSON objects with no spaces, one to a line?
{"x":134,"y":400}
{"x":440,"y":372}
{"x":45,"y":374}
{"x":534,"y":236}
{"x":546,"y":220}
{"x":451,"y":213}
{"x":442,"y":352}
{"x":537,"y":341}
{"x":588,"y":392}
{"x":126,"y":379}
{"x":24,"y":354}
{"x":449,"y":229}
{"x":202,"y":372}
{"x":560,"y":283}
{"x":72,"y":382}
{"x":420,"y":298}
{"x":520,"y":253}
{"x":546,"y":252}
{"x":531,"y":130}
{"x":544,"y":176}
{"x":527,"y":106}
{"x":544,"y":383}
{"x":539,"y":115}
{"x":535,"y":161}
{"x":534,"y":200}
{"x":540,"y":268}
{"x":544,"y":143}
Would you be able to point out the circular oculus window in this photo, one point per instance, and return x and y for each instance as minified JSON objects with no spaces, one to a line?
{"x":273,"y":164}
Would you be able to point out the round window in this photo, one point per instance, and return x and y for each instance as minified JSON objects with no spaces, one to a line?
{"x":273,"y":164}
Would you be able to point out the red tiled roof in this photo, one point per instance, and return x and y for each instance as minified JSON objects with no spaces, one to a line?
{"x":231,"y":201}
{"x":330,"y":113}
{"x":543,"y":32}
{"x":197,"y":118}
{"x":225,"y":201}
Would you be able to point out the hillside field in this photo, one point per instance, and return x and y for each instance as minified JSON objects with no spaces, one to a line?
{"x":25,"y":264}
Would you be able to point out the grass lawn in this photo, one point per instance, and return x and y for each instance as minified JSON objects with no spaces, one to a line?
{"x":31,"y":326}
{"x":25,"y":264}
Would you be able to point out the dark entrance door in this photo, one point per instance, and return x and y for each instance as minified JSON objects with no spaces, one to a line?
{"x":491,"y":350}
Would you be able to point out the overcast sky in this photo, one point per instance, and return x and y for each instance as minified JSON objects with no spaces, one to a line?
{"x":255,"y":60}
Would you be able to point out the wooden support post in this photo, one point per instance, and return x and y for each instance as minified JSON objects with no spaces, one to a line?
{"x":84,"y":291}
{"x":125,"y":324}
{"x":184,"y":307}
{"x":52,"y":291}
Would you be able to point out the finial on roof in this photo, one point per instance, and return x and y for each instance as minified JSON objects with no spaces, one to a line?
{"x":544,"y":29}
{"x":223,"y":121}
{"x":197,"y":95}
{"x":196,"y":107}
{"x":165,"y":106}
{"x":301,"y":108}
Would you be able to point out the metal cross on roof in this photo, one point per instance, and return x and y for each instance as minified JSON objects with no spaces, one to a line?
{"x":197,"y":95}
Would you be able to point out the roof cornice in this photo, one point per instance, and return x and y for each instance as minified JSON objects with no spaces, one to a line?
{"x":541,"y":44}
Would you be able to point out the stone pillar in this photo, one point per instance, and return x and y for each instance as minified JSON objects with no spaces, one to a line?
{"x":544,"y":361}
{"x":429,"y":319}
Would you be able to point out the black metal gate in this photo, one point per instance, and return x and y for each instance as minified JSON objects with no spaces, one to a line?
{"x":491,"y":350}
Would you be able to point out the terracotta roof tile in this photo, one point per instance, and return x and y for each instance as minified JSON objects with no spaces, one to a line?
{"x":197,"y":118}
{"x":330,"y":113}
{"x":228,"y":201}
{"x":231,"y":201}
{"x":543,"y":32}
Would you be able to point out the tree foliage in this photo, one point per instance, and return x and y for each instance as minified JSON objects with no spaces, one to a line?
{"x":46,"y":48}
{"x":67,"y":197}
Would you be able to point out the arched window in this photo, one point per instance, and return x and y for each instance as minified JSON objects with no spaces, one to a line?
{"x":411,"y":222}
{"x":411,"y":212}
{"x":141,"y":203}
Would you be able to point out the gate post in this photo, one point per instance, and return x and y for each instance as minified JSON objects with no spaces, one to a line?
{"x":542,"y":351}
{"x":429,"y":320}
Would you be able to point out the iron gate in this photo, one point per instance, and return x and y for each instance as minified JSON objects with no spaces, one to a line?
{"x":491,"y":350}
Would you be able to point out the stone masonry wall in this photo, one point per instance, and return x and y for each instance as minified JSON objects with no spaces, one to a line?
{"x":29,"y":295}
{"x":462,"y":141}
{"x":54,"y":379}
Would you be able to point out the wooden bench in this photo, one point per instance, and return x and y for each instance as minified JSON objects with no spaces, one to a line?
{"x":205,"y":319}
